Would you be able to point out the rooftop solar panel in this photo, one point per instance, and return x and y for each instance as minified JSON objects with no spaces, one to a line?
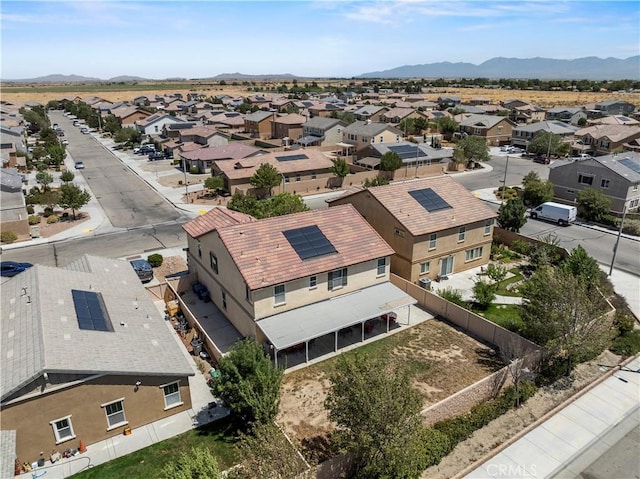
{"x":309,"y":242}
{"x":429,"y":200}
{"x":407,"y":151}
{"x":292,"y":157}
{"x":90,"y":311}
{"x":631,"y":164}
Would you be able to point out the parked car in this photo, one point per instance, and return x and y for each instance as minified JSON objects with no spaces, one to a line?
{"x":84,"y":130}
{"x":79,"y":165}
{"x":143,"y":269}
{"x":65,"y":142}
{"x":117,"y":146}
{"x":156,"y":155}
{"x":542,"y":159}
{"x":9,"y":269}
{"x":144,"y":149}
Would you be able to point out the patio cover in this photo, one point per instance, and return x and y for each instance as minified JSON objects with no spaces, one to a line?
{"x":307,"y":140}
{"x":315,"y":320}
{"x":369,"y":161}
{"x":345,"y":145}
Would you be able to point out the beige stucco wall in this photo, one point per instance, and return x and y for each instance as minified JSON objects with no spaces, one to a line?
{"x":31,"y":418}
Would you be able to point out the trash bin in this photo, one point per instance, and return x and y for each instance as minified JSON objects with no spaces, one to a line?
{"x":196,"y":344}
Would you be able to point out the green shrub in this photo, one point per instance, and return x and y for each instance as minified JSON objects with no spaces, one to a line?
{"x":47,"y":212}
{"x":8,"y":237}
{"x":609,"y":220}
{"x":623,"y":321}
{"x":453,"y":295}
{"x":155,"y":260}
{"x":52,"y":219}
{"x":34,"y":220}
{"x":30,"y":209}
{"x":631,"y":227}
{"x":438,"y":445}
{"x":627,"y":344}
{"x":522,"y":247}
{"x":194,"y":170}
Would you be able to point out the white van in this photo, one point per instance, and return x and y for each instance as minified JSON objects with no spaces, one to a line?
{"x":556,"y":212}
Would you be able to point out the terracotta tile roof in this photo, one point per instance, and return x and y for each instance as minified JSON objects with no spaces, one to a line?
{"x":201,"y":131}
{"x":265,"y":258}
{"x":291,"y":119}
{"x":465,"y":208}
{"x":614,"y":133}
{"x":215,"y":219}
{"x":232,"y":151}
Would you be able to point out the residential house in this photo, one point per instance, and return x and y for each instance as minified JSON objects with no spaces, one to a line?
{"x":445,"y":102}
{"x":203,"y":135}
{"x":229,"y":120}
{"x":522,"y":135}
{"x":435,"y":226}
{"x":282,"y":105}
{"x":258,"y":124}
{"x":326,"y":109}
{"x":289,"y":126}
{"x":414,"y":98}
{"x":526,"y":114}
{"x":141,"y":100}
{"x":566,"y":114}
{"x":479,"y":100}
{"x":606,"y":139}
{"x":13,"y":209}
{"x":361,"y":134}
{"x":370,"y":112}
{"x":9,"y":157}
{"x":420,"y":157}
{"x":614,"y":120}
{"x":396,"y":115}
{"x":496,"y":130}
{"x":129,"y":115}
{"x":203,"y":158}
{"x":511,"y":103}
{"x":615,"y":107}
{"x":154,"y":124}
{"x":320,"y":131}
{"x":173,"y":130}
{"x":86,"y":354}
{"x":616,"y":176}
{"x":294,"y":281}
{"x":14,"y":135}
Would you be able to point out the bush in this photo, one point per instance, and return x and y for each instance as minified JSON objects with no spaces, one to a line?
{"x":453,"y":295}
{"x":30,"y":209}
{"x":194,"y":170}
{"x":522,"y":247}
{"x":8,"y":237}
{"x":47,"y":212}
{"x":628,"y":344}
{"x":52,"y":219}
{"x":438,"y":445}
{"x":631,"y":227}
{"x":155,"y":260}
{"x":623,"y":321}
{"x":34,"y":220}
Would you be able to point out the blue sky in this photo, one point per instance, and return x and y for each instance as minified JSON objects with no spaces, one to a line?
{"x":337,"y":38}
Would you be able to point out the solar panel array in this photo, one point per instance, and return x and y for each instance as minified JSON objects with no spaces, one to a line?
{"x":407,"y":151}
{"x":292,"y":157}
{"x":309,"y":242}
{"x":429,"y":200}
{"x":90,"y":310}
{"x":631,"y":164}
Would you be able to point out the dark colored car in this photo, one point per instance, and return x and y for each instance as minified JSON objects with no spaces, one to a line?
{"x":156,"y":155}
{"x":145,"y":150}
{"x":143,"y":269}
{"x":541,"y":159}
{"x":11,"y":268}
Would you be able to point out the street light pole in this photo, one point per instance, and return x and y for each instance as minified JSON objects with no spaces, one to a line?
{"x":615,"y":246}
{"x":186,"y":185}
{"x":504,"y":182}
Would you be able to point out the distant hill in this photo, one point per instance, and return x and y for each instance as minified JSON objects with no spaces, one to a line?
{"x":58,"y":78}
{"x":126,"y":78}
{"x":588,"y":68}
{"x":243,"y":76}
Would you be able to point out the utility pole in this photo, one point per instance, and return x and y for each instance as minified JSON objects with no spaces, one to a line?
{"x":615,"y":247}
{"x":504,"y":182}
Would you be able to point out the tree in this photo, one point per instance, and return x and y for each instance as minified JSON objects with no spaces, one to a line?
{"x":582,"y":266}
{"x":73,"y":197}
{"x":340,"y":168}
{"x":536,"y":191}
{"x":249,"y":384}
{"x":266,"y":178}
{"x":49,"y":137}
{"x":213,"y":183}
{"x":278,"y":205}
{"x":376,"y":411}
{"x":561,"y":314}
{"x":512,"y":215}
{"x":447,"y":126}
{"x":45,"y":179}
{"x":57,"y":153}
{"x":594,"y":205}
{"x":376,"y":181}
{"x":471,"y":148}
{"x":49,"y":198}
{"x":128,"y":135}
{"x":200,"y":463}
{"x":546,"y":143}
{"x":484,"y":293}
{"x":390,"y":161}
{"x":67,"y":176}
{"x":247,"y":204}
{"x":267,"y":453}
{"x":111,"y":124}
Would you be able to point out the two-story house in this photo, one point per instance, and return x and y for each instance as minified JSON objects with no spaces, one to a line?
{"x":153,"y":125}
{"x":361,"y":134}
{"x":496,"y":130}
{"x":319,"y":131}
{"x":295,"y":279}
{"x":396,"y":115}
{"x":13,"y":209}
{"x":289,"y":126}
{"x":615,"y":107}
{"x":258,"y":124}
{"x":203,"y":158}
{"x":616,"y":176}
{"x":370,"y":112}
{"x":607,"y":139}
{"x":566,"y":114}
{"x":522,"y":135}
{"x":435,"y":226}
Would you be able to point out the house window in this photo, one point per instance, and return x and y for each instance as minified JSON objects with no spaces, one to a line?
{"x":156,"y":128}
{"x":474,"y":253}
{"x":461,"y":233}
{"x":247,"y":292}
{"x":297,"y":176}
{"x":487,"y":227}
{"x":585,"y":179}
{"x":199,"y":250}
{"x":313,"y":175}
{"x":115,"y":414}
{"x":286,"y":179}
{"x":63,"y":429}
{"x":399,"y":232}
{"x":313,"y":282}
{"x":171,"y":393}
{"x":604,"y":183}
{"x":382,"y":139}
{"x":433,"y":238}
{"x":635,"y":187}
{"x":365,"y":139}
{"x":278,"y":295}
{"x":337,"y":279}
{"x":224,"y":299}
{"x":214,"y":262}
{"x":424,"y":268}
{"x":382,"y":266}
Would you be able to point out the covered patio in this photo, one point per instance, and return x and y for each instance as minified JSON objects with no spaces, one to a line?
{"x":327,"y":326}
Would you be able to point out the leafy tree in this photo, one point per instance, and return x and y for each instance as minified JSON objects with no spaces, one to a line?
{"x":67,"y":176}
{"x":594,"y":205}
{"x":447,"y":126}
{"x":249,"y":384}
{"x":536,"y":191}
{"x":45,"y":179}
{"x":57,"y":153}
{"x":340,"y":168}
{"x":247,"y":204}
{"x":73,"y":197}
{"x":213,"y":183}
{"x":561,"y":314}
{"x":408,"y":126}
{"x":199,"y":463}
{"x":512,"y":215}
{"x":266,"y":178}
{"x":49,"y":137}
{"x":484,"y":293}
{"x":376,"y":181}
{"x":111,"y":124}
{"x":496,"y":273}
{"x":390,"y":161}
{"x":49,"y":198}
{"x":421,"y":124}
{"x":267,"y":453}
{"x":544,"y":143}
{"x":582,"y":266}
{"x":380,"y":427}
{"x":278,"y":205}
{"x":128,"y":135}
{"x":471,"y":148}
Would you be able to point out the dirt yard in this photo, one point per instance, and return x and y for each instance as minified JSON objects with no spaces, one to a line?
{"x":443,"y":359}
{"x":170,"y":265}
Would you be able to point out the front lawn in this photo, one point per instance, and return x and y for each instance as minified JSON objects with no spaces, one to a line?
{"x":502,"y":285}
{"x":148,"y":462}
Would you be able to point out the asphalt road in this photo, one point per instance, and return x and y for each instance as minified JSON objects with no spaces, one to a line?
{"x":127,"y":200}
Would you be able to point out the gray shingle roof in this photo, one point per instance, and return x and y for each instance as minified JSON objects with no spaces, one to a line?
{"x":369,"y":128}
{"x":322,"y":122}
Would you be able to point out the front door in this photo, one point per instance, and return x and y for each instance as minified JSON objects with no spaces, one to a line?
{"x":446,"y":266}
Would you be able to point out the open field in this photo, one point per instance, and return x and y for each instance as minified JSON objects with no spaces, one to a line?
{"x":42,"y":93}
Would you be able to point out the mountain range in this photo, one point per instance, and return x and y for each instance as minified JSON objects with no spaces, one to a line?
{"x":587,"y":68}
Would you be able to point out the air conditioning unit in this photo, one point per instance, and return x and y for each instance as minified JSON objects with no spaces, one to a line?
{"x":425,"y":283}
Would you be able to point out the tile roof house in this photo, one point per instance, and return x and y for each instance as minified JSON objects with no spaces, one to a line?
{"x":13,"y":209}
{"x":605,"y":139}
{"x":616,"y":176}
{"x":229,"y":120}
{"x":258,"y":124}
{"x":360,"y":134}
{"x":614,"y":120}
{"x":370,"y":112}
{"x":496,"y":130}
{"x":288,"y":280}
{"x":396,"y":115}
{"x":86,"y":353}
{"x":413,"y":155}
{"x":522,"y":135}
{"x":128,"y":115}
{"x":435,"y":225}
{"x":527,"y":114}
{"x":320,"y":131}
{"x":203,"y":158}
{"x":202,"y":135}
{"x":326,"y":109}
